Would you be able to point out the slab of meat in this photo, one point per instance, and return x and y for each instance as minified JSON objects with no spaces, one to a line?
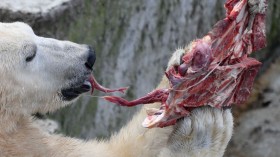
{"x":215,"y":70}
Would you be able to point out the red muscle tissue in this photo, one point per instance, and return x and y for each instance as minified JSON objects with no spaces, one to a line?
{"x":215,"y":70}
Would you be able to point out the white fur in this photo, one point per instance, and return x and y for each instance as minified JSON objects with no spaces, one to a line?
{"x":26,"y":88}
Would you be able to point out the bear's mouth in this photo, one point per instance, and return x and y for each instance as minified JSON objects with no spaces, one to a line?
{"x":74,"y":91}
{"x":90,"y":83}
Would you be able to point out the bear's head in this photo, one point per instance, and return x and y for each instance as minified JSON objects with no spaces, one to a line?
{"x":40,"y":74}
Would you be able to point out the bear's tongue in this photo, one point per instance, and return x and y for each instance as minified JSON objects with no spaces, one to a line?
{"x":96,"y":85}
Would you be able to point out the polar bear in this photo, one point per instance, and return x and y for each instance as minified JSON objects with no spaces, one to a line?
{"x":42,"y":75}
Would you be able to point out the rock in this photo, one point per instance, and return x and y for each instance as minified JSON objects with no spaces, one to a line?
{"x":32,"y":7}
{"x":47,"y":17}
{"x":258,"y":135}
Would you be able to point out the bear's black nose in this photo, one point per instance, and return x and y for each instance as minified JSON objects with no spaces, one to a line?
{"x":91,"y":58}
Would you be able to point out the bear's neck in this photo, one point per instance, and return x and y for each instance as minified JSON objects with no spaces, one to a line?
{"x":11,"y":121}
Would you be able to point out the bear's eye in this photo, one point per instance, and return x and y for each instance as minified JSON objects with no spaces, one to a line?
{"x":30,"y":58}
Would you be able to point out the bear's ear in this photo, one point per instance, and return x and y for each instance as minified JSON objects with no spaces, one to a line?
{"x":28,"y":51}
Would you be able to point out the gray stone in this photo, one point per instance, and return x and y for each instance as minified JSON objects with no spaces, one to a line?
{"x":47,"y":17}
{"x":258,"y":134}
{"x":32,"y":6}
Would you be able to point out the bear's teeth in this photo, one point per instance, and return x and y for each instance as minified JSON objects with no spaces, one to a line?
{"x":87,"y":83}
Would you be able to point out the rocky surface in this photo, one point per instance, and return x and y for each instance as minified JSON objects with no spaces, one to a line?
{"x":32,"y":7}
{"x":133,"y":42}
{"x":47,"y":17}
